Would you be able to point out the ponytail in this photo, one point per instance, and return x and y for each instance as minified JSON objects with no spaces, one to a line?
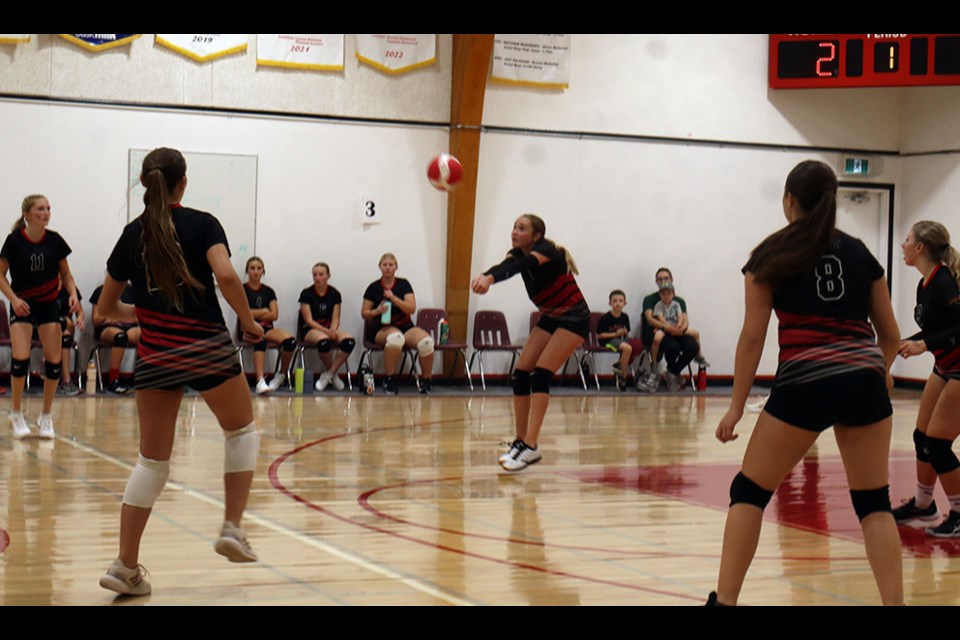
{"x":166,"y":268}
{"x":936,"y":239}
{"x":951,"y":258}
{"x":796,"y":249}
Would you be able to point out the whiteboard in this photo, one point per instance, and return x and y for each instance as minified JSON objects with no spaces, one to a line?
{"x":222,"y":184}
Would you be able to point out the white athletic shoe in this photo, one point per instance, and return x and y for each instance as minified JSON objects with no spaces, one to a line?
{"x":262,"y":387}
{"x":232,"y":544}
{"x":21,"y":429}
{"x":336,"y":382}
{"x":129,"y":582}
{"x":523,"y":456}
{"x":322,"y":382}
{"x":510,"y":452}
{"x":46,"y":426}
{"x":277,"y":381}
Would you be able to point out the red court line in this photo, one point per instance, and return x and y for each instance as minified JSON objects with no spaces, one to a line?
{"x":4,"y":540}
{"x":273,"y":474}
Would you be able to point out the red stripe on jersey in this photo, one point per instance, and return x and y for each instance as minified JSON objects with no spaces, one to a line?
{"x":930,"y":277}
{"x":562,"y":296}
{"x":45,"y":292}
{"x":947,"y":360}
{"x":145,"y":316}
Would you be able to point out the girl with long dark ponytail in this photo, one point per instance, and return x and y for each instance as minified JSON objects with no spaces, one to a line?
{"x":171,"y":255}
{"x":833,"y":370}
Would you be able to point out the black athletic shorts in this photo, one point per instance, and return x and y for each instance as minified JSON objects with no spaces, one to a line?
{"x":851,"y":400}
{"x":579,"y":326}
{"x":40,"y":313}
{"x":946,"y":375}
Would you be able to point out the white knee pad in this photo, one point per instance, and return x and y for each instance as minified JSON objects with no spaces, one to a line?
{"x":146,"y":482}
{"x":394,"y":340}
{"x":425,"y":346}
{"x":240,"y":449}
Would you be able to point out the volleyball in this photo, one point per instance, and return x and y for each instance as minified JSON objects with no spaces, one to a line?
{"x":445,"y":172}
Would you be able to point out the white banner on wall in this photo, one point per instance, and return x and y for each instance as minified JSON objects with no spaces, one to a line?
{"x":397,"y":52}
{"x":204,"y":46}
{"x":313,"y":51}
{"x":532,"y":59}
{"x":14,"y":38}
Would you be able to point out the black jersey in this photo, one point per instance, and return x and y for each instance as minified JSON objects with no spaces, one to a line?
{"x":260,"y":299}
{"x":610,"y":324}
{"x":126,"y":297}
{"x":938,"y":315}
{"x":374,"y":293}
{"x":164,"y":328}
{"x":63,"y":302}
{"x":551,"y":286}
{"x":35,"y":266}
{"x":321,"y":307}
{"x":824,"y":328}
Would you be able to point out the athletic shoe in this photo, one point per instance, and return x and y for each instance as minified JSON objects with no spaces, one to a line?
{"x":322,"y":382}
{"x":522,"y":457}
{"x":712,"y":600}
{"x":509,"y":454}
{"x":46,"y":426}
{"x":68,"y":389}
{"x":129,"y":582}
{"x":336,"y":382}
{"x":909,"y":511}
{"x":617,"y":369}
{"x":757,"y":407}
{"x":262,"y":387}
{"x":117,"y":388}
{"x":232,"y":544}
{"x":425,"y":387}
{"x":21,"y":429}
{"x":621,"y":383}
{"x":390,"y":385}
{"x":277,"y":381}
{"x":700,"y":360}
{"x":949,"y":528}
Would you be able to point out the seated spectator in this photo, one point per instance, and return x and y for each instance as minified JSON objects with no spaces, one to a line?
{"x":613,"y":332}
{"x":682,"y":343}
{"x":119,"y":334}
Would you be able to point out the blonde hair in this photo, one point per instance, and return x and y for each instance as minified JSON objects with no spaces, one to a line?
{"x":539,"y":226}
{"x":25,"y":206}
{"x":935,"y":237}
{"x":390,"y":256}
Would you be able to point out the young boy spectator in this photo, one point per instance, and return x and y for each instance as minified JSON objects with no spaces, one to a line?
{"x":613,"y":331}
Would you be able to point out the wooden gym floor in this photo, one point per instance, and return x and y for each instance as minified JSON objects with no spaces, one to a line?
{"x":400,"y":501}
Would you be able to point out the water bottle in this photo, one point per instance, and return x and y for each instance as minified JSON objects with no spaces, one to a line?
{"x":443,"y":332}
{"x":298,"y":380}
{"x":308,"y":381}
{"x":385,"y":316}
{"x":369,"y":386}
{"x":702,"y":378}
{"x":91,"y":383}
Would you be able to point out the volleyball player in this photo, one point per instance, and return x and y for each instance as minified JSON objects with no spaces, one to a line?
{"x":320,"y":326}
{"x":263,"y":304}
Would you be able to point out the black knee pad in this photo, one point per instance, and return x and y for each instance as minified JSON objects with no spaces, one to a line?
{"x":867,"y":501}
{"x":52,"y":370}
{"x":288,"y":345}
{"x":66,"y":341}
{"x":942,"y":457}
{"x":325,"y":346}
{"x":521,"y":382}
{"x":63,"y":324}
{"x":121,"y":339}
{"x":920,"y":445}
{"x":743,"y":490}
{"x":260,"y":346}
{"x":347,"y":345}
{"x":19,"y":368}
{"x":540,"y":380}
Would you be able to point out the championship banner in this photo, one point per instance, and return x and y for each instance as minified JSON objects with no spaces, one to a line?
{"x":14,"y":38}
{"x":204,"y":46}
{"x":397,"y":52}
{"x":100,"y":41}
{"x":313,"y":51}
{"x":532,"y":59}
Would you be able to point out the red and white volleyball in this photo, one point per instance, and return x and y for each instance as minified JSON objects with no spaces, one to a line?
{"x":445,"y":172}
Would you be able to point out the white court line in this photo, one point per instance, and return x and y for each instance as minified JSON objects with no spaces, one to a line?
{"x":373,"y":567}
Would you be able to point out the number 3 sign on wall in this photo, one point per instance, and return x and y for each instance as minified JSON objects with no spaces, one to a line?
{"x":368,"y":209}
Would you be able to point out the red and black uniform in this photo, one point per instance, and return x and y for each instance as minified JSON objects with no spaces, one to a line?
{"x":375,"y":294}
{"x":938,"y":315}
{"x":259,"y":299}
{"x":550,"y":286}
{"x":321,"y":307}
{"x":178,"y":348}
{"x":35,"y":273}
{"x":831,"y":369}
{"x":126,"y":297}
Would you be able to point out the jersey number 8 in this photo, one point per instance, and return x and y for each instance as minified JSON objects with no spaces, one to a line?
{"x":830,"y":278}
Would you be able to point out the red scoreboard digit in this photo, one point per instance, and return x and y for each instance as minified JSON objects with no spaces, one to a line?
{"x":820,"y":60}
